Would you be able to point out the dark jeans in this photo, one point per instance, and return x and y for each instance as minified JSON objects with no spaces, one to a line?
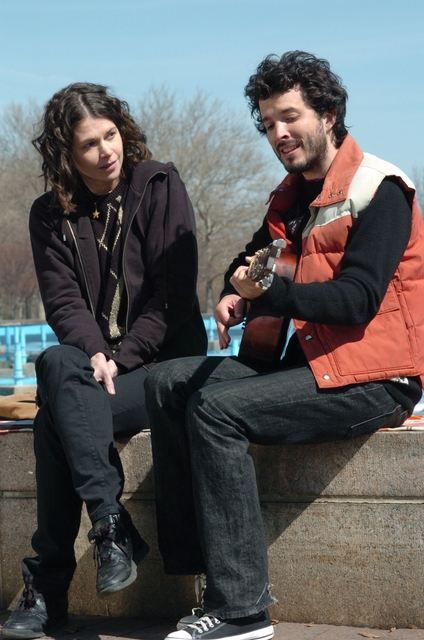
{"x":76,"y":457}
{"x":204,"y":412}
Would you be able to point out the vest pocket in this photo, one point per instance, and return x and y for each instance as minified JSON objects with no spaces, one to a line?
{"x":366,"y":348}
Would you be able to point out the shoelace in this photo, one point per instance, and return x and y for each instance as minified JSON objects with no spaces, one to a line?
{"x":28,"y":598}
{"x":204,"y":623}
{"x":98,"y":539}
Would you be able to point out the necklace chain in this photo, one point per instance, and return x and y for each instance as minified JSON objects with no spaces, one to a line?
{"x":96,"y":212}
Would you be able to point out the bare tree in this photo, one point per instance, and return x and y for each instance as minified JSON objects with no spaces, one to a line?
{"x":218,"y":155}
{"x":19,"y":289}
{"x":19,"y":186}
{"x":217,"y":152}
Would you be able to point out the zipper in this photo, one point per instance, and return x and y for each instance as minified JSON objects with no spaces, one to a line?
{"x":125,"y":244}
{"x":82,"y":267}
{"x":123,"y":253}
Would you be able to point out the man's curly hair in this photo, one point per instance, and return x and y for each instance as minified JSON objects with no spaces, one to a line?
{"x":321,"y":89}
{"x":61,"y":114}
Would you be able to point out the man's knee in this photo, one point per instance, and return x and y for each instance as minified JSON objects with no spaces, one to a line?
{"x":205,"y":406}
{"x":156,"y":378}
{"x":167,"y":374}
{"x":172,"y":383}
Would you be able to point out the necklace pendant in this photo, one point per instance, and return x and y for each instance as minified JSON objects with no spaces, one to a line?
{"x":96,"y":213}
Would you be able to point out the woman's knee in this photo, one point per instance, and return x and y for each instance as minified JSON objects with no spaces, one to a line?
{"x":54,"y":361}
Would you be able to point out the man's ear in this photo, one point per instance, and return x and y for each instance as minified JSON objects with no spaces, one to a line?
{"x":329,"y":120}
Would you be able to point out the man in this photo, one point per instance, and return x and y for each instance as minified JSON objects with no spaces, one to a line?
{"x":354,"y":363}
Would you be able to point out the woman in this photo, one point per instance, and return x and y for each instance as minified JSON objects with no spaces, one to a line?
{"x":115,"y":254}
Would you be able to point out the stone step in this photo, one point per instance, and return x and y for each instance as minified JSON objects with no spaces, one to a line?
{"x":345,"y":527}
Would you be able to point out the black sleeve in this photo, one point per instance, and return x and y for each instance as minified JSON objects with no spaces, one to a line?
{"x":260,"y":240}
{"x":170,"y":249}
{"x":376,"y":244}
{"x":66,"y":309}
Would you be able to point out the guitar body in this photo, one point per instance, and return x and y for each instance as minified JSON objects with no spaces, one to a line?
{"x":265,"y":332}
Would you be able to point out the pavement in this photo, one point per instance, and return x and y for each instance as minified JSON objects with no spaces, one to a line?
{"x":102,"y":628}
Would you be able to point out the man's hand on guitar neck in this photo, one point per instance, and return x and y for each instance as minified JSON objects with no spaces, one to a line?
{"x":229,"y":312}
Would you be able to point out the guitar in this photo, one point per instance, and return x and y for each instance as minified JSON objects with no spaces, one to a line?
{"x":265,"y":331}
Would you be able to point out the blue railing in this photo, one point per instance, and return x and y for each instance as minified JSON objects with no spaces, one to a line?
{"x":212,"y":333}
{"x":21,"y":341}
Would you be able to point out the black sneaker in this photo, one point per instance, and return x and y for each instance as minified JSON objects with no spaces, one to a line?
{"x":251,"y":628}
{"x":117,"y":558}
{"x":31,"y":618}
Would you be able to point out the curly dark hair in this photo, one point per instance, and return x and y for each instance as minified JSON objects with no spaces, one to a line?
{"x":321,"y":89}
{"x":61,"y":114}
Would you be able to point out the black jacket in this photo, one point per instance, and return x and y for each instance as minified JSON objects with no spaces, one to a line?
{"x":159,"y":266}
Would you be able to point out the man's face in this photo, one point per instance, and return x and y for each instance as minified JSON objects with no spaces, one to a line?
{"x":299,"y":136}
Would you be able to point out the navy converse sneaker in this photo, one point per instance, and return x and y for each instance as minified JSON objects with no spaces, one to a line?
{"x":257,"y":627}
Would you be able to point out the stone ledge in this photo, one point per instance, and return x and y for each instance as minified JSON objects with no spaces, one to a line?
{"x":345,"y":526}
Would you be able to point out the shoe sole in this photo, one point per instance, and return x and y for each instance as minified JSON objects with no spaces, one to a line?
{"x":259,"y":634}
{"x":19,"y":635}
{"x":118,"y":586}
{"x":264,"y":634}
{"x":27,"y":634}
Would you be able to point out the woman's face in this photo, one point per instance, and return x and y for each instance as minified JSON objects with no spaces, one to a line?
{"x":98,"y":153}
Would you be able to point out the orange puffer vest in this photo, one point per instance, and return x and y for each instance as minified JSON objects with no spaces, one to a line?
{"x":392,"y":343}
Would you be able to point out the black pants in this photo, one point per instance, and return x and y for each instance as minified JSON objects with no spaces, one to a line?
{"x":76,"y":457}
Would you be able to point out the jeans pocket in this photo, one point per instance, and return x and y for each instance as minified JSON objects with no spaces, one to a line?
{"x":389,"y":420}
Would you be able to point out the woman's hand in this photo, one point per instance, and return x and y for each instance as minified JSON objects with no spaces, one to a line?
{"x":104,"y":371}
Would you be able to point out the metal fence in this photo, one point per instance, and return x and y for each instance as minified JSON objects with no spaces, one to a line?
{"x":21,"y":342}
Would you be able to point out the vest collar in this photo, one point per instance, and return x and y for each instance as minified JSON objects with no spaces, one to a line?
{"x":335,"y":188}
{"x":337,"y":181}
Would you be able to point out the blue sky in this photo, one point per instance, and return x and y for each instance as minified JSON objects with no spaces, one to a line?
{"x":376,"y":46}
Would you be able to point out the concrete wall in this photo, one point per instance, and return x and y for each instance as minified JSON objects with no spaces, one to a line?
{"x":345,"y":525}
